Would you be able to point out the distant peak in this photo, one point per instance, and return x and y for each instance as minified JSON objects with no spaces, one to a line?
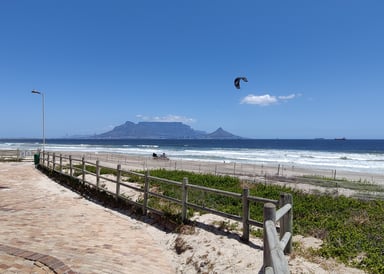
{"x":220,"y":133}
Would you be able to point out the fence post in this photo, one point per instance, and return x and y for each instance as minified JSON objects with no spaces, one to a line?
{"x":245,"y":195}
{"x":48,"y":160}
{"x":97,"y":174}
{"x":83,"y":169}
{"x":184,"y":199}
{"x":286,"y":222}
{"x":54,"y":161}
{"x":61,"y":163}
{"x":269,"y":214}
{"x":146,"y":189}
{"x":70,"y":166}
{"x":118,"y":181}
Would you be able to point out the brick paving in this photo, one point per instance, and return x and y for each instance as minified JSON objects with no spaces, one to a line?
{"x":46,"y":228}
{"x":16,"y":260}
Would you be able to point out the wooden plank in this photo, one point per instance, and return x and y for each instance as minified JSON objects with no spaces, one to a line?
{"x":165,"y":180}
{"x":217,"y":191}
{"x":282,"y":211}
{"x":245,"y":216}
{"x":278,"y":260}
{"x":262,"y":200}
{"x":213,"y":211}
{"x":286,"y":238}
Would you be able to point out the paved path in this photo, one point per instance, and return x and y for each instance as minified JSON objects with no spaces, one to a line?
{"x":71,"y":234}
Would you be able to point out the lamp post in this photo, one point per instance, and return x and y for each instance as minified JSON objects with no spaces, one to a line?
{"x":42,"y":97}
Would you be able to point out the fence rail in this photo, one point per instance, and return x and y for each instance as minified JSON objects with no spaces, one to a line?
{"x":274,"y":245}
{"x":15,"y":154}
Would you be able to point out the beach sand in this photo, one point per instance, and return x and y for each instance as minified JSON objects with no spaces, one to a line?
{"x":269,"y":174}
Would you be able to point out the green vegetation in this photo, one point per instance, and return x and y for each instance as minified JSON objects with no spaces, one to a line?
{"x":352,"y":229}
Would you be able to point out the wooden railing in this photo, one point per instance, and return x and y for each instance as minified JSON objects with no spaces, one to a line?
{"x":273,"y":245}
{"x":15,"y":154}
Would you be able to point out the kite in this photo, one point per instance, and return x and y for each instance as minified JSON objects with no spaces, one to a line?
{"x":237,"y":81}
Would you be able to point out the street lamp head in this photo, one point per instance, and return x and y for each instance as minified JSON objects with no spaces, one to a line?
{"x":36,"y":92}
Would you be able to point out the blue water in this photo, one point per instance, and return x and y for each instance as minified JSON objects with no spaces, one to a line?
{"x":351,"y":155}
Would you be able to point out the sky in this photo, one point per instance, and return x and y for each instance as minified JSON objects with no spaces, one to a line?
{"x":315,"y":69}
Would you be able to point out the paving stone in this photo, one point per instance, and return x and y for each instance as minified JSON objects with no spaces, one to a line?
{"x":50,"y":224}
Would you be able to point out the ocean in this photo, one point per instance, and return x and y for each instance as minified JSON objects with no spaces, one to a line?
{"x":349,"y":155}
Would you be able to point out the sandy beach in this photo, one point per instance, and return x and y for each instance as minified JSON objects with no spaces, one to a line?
{"x":268,"y":174}
{"x":235,"y":169}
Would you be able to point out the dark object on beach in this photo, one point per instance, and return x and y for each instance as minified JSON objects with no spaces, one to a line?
{"x":237,"y":81}
{"x":161,"y":157}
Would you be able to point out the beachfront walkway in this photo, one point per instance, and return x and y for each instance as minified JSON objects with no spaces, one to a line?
{"x":60,"y":228}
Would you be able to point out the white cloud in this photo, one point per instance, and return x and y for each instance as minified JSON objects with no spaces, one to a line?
{"x":287,"y":97}
{"x":262,"y":100}
{"x":266,"y":99}
{"x":166,"y":118}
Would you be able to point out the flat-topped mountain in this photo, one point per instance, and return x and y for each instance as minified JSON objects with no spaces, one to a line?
{"x":162,"y":130}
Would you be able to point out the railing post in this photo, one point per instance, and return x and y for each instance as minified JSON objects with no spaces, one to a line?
{"x":54,"y":161}
{"x":269,"y":214}
{"x":245,"y":195}
{"x":61,"y":163}
{"x":286,"y":222}
{"x":83,"y":169}
{"x":146,"y":190}
{"x":70,"y":166}
{"x":184,"y":199}
{"x":97,"y":174}
{"x":41,"y":157}
{"x":118,"y":181}
{"x":48,"y":160}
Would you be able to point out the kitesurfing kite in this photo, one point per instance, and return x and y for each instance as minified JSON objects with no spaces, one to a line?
{"x":237,"y":81}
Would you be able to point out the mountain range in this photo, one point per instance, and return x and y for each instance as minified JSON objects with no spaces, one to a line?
{"x":162,"y":130}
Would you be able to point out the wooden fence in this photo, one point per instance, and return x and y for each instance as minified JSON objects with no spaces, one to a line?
{"x":274,"y":246}
{"x":15,"y":154}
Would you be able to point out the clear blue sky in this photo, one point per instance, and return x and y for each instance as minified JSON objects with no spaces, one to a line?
{"x":314,"y":68}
